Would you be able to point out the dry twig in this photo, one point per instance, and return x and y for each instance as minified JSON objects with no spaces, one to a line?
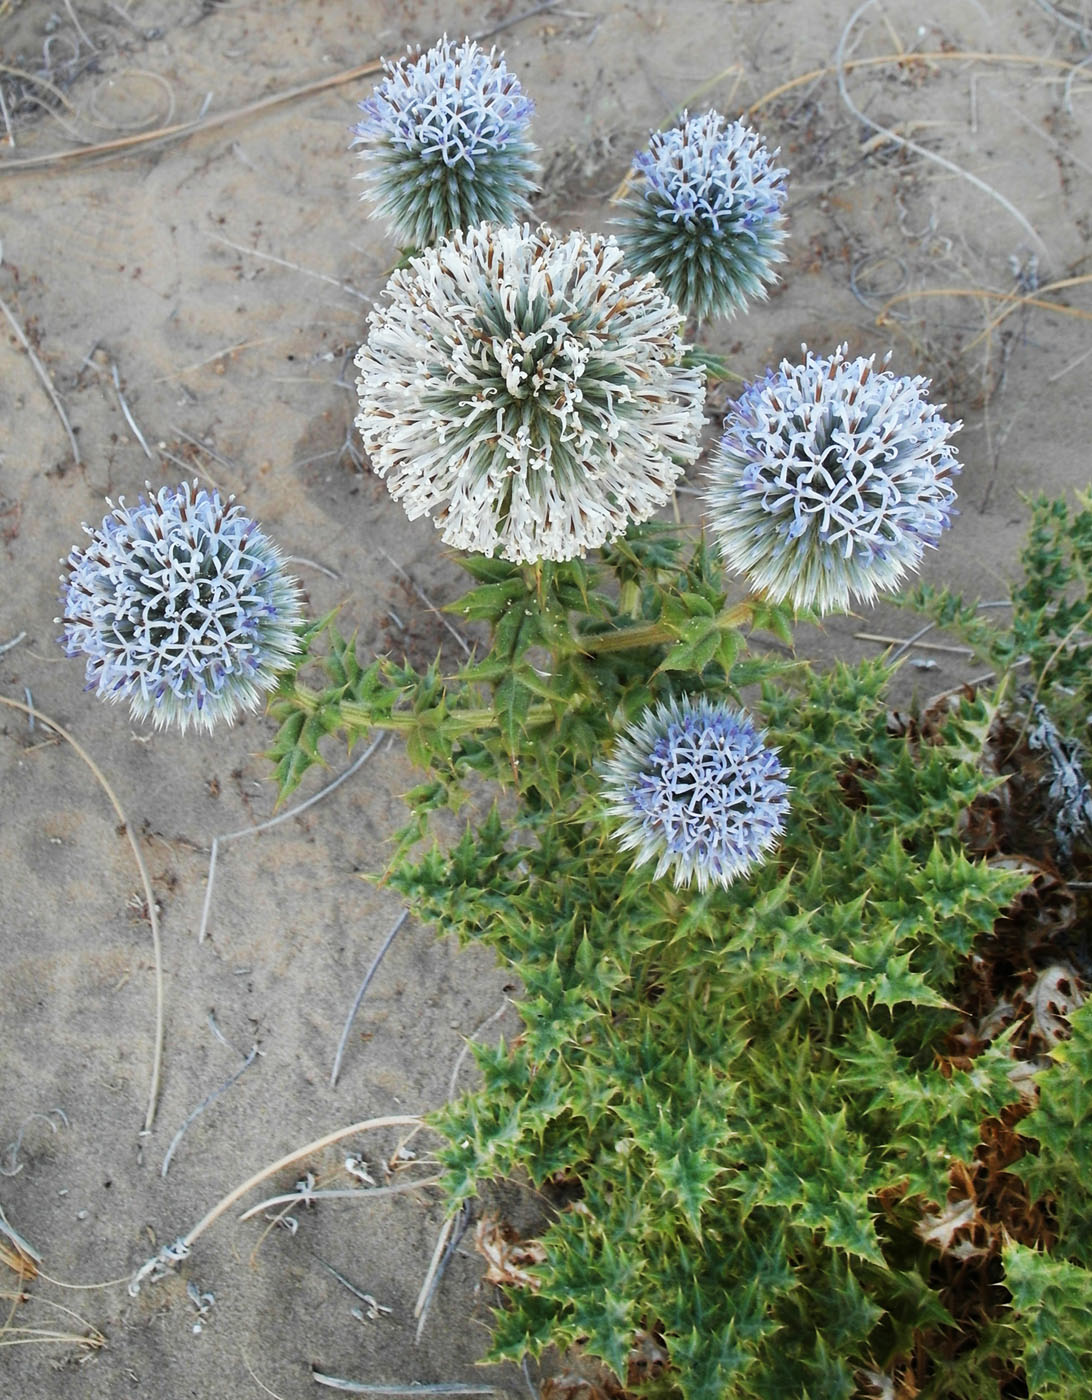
{"x":40,"y":370}
{"x":360,"y":994}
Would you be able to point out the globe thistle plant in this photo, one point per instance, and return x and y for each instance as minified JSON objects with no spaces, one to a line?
{"x":696,"y":789}
{"x":527,"y":391}
{"x":705,"y":215}
{"x":830,"y":480}
{"x":445,"y":139}
{"x":181,"y":606}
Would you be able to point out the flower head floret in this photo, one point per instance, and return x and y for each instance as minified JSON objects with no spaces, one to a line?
{"x":831,"y":479}
{"x":705,"y":215}
{"x":696,"y":789}
{"x":528,"y":392}
{"x":446,"y":142}
{"x":181,"y":606}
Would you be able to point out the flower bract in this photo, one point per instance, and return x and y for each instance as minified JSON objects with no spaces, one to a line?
{"x":527,"y":391}
{"x":830,"y":480}
{"x":445,"y":139}
{"x":705,"y":215}
{"x":181,"y":606}
{"x":694,"y":787}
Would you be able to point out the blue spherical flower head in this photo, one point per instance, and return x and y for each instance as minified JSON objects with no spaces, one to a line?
{"x":696,"y":789}
{"x":831,"y":479}
{"x":182,"y":607}
{"x":706,"y":214}
{"x":446,"y":142}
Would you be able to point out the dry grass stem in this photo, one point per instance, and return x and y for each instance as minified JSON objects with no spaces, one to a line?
{"x":7,"y":118}
{"x":471,"y":1038}
{"x":330,"y":787}
{"x":1078,"y":26}
{"x":28,"y":1336}
{"x":312,"y":564}
{"x":420,"y":1308}
{"x":399,"y":1120}
{"x":212,"y":359}
{"x":443,"y":1388}
{"x":204,"y":447}
{"x":904,"y":642}
{"x":208,"y":1099}
{"x":149,"y":897}
{"x":191,"y":467}
{"x":40,"y":370}
{"x":1013,"y":300}
{"x":928,"y":56}
{"x":23,"y":1267}
{"x":123,"y":144}
{"x":906,"y":143}
{"x":112,"y":124}
{"x":140,"y":140}
{"x":356,"y":1193}
{"x":96,"y":1339}
{"x":1071,"y":366}
{"x":428,"y":602}
{"x":128,"y":415}
{"x":83,"y":1287}
{"x":295,"y":267}
{"x":257,"y":1379}
{"x":39,"y":80}
{"x":17,"y":1240}
{"x":403,"y":916}
{"x":1067,"y":91}
{"x":1029,"y":300}
{"x":451,"y":1233}
{"x":13,"y":1147}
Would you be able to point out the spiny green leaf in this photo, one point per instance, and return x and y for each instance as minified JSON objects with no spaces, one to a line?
{"x":1051,"y":1309}
{"x":1061,"y":1126}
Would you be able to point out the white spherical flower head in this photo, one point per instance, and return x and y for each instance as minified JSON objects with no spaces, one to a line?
{"x":706,"y":214}
{"x":831,"y":479}
{"x":695,"y":788}
{"x":527,"y":392}
{"x":445,"y":140}
{"x":181,"y":606}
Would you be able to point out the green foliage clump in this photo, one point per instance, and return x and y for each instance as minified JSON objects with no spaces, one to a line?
{"x":1052,"y":1294}
{"x":738,"y":1099}
{"x":744,"y":1085}
{"x":1052,"y":1305}
{"x":1045,"y":640}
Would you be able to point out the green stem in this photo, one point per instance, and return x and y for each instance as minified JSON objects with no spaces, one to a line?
{"x":650,"y":634}
{"x":360,"y":717}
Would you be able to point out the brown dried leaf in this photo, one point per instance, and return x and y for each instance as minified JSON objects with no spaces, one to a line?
{"x":941,"y":1229}
{"x":508,"y":1258}
{"x":19,"y":1263}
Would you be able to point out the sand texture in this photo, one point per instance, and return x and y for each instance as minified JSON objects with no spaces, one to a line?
{"x":195,"y":303}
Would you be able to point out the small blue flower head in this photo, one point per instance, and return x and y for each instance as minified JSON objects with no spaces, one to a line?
{"x":181,"y":606}
{"x":696,"y":789}
{"x":446,"y":143}
{"x":706,"y":214}
{"x":831,"y":479}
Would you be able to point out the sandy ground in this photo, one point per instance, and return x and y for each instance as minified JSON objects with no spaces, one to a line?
{"x":211,"y":291}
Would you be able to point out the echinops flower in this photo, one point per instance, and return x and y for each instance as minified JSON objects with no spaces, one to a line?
{"x":527,"y":391}
{"x":695,"y":788}
{"x":445,"y":139}
{"x":830,"y":480}
{"x":181,"y":606}
{"x":705,"y":215}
